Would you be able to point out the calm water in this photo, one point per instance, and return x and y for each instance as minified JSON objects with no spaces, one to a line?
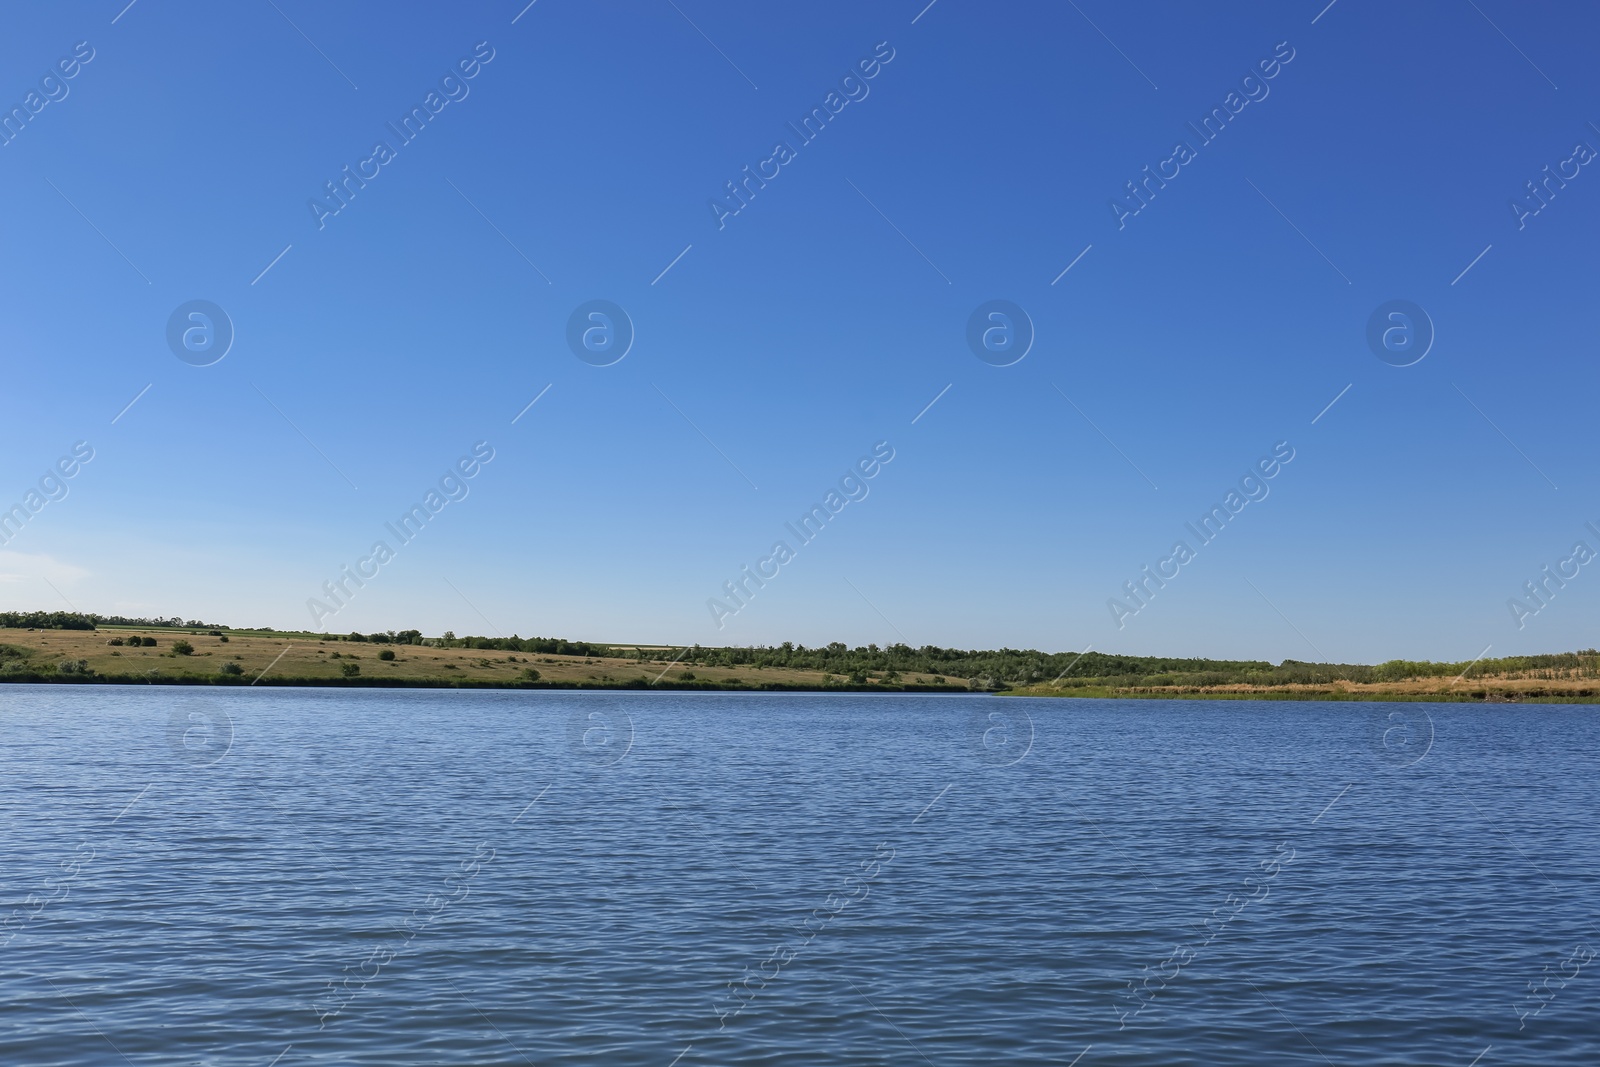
{"x":322,"y":877}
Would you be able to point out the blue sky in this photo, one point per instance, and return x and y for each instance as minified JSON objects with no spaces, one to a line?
{"x":580,"y":163}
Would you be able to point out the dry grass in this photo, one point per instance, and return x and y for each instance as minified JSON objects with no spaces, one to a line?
{"x":300,"y":657}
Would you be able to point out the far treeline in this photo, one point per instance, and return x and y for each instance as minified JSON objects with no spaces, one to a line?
{"x":992,"y":669}
{"x":1007,"y":667}
{"x":68,"y":620}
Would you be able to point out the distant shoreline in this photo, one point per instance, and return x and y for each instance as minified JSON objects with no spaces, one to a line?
{"x":637,"y":685}
{"x":1329,"y":696}
{"x":634,"y":685}
{"x":1464,"y":696}
{"x":68,"y":648}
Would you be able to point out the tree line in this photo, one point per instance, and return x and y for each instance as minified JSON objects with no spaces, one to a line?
{"x":45,"y":620}
{"x":73,"y":620}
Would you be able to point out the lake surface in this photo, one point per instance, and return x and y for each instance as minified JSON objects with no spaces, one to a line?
{"x":257,"y":877}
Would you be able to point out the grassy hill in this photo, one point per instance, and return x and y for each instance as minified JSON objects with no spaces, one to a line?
{"x":63,"y":647}
{"x":155,"y":655}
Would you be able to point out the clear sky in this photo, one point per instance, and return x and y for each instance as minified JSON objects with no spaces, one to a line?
{"x":968,"y":153}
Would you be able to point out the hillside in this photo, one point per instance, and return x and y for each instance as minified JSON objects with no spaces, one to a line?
{"x":65,"y":647}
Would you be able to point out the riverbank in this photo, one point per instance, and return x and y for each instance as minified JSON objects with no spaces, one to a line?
{"x":1486,"y":690}
{"x":90,"y":650}
{"x":118,"y":655}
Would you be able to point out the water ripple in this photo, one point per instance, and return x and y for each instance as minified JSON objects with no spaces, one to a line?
{"x":332,"y":877}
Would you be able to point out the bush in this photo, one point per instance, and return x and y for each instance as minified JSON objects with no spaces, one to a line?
{"x":529,"y":674}
{"x":232,"y":670}
{"x":386,"y":654}
{"x":147,"y":642}
{"x":686,"y":676}
{"x":350,"y":670}
{"x":73,"y":666}
{"x":115,"y":641}
{"x":181,"y":647}
{"x":223,"y":638}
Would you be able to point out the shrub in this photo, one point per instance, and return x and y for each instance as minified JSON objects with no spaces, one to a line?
{"x":115,"y":641}
{"x":223,"y":638}
{"x":232,"y":670}
{"x":215,"y":633}
{"x":529,"y":674}
{"x":350,"y":670}
{"x":147,"y":642}
{"x":181,"y":647}
{"x":386,"y":654}
{"x":686,"y":676}
{"x":73,"y":666}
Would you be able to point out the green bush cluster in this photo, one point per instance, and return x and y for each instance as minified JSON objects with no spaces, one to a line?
{"x":46,"y":620}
